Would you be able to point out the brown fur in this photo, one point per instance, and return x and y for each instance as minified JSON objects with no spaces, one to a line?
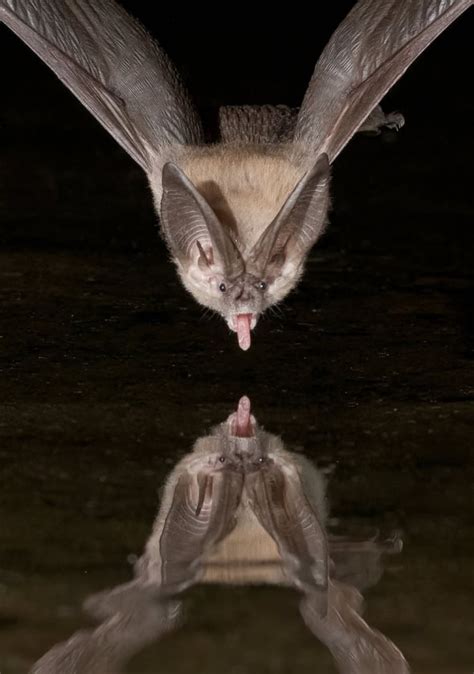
{"x":245,"y":185}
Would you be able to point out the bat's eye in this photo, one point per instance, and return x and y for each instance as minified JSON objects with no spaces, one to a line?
{"x":262,"y":285}
{"x":222,"y":458}
{"x":261,"y":459}
{"x":222,"y":288}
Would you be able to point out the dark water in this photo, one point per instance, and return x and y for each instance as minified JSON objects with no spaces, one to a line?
{"x":109,"y":373}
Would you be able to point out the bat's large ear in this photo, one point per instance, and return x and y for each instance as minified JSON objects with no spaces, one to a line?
{"x":192,"y":230}
{"x":198,"y":509}
{"x":297,"y":226}
{"x":280,"y":504}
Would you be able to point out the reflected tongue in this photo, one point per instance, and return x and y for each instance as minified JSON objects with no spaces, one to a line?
{"x":243,"y":426}
{"x":243,"y":330}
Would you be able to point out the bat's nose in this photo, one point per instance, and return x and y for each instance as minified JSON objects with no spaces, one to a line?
{"x":244,"y":294}
{"x":244,"y":457}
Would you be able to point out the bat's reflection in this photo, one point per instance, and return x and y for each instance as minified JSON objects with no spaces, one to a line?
{"x":240,"y":509}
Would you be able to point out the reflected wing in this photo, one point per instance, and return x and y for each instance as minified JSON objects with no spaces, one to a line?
{"x":136,"y":621}
{"x":277,"y":498}
{"x":366,"y":55}
{"x":113,"y":67}
{"x":359,"y":563}
{"x":355,"y":646}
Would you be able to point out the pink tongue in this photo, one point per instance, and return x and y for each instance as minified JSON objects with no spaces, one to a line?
{"x":243,"y":330}
{"x":243,"y":426}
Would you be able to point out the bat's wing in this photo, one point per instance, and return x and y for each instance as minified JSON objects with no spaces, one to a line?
{"x":136,"y":621}
{"x":278,"y":500}
{"x":114,"y":68}
{"x":359,"y":562}
{"x":367,"y":54}
{"x":200,"y":512}
{"x":355,"y":646}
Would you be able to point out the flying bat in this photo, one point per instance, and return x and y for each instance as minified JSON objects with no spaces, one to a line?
{"x":240,"y":215}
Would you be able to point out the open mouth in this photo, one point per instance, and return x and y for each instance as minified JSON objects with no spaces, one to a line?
{"x":242,"y":423}
{"x":242,"y":324}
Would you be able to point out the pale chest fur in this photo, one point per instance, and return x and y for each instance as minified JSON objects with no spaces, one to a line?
{"x":245,"y":189}
{"x":247,"y":555}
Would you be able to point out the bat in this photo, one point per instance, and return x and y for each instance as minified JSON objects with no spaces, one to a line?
{"x":239,"y":509}
{"x":272,"y":530}
{"x":240,"y":215}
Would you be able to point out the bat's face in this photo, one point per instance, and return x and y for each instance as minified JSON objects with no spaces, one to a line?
{"x":238,"y":444}
{"x":215,"y":266}
{"x":240,"y":300}
{"x":241,"y":440}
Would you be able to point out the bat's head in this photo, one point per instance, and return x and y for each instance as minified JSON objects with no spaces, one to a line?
{"x":236,"y":443}
{"x":240,"y":439}
{"x":239,"y":443}
{"x":241,"y":284}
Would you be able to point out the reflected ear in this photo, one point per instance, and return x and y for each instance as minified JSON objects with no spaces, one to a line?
{"x":202,"y":511}
{"x":297,"y":226}
{"x":192,"y":231}
{"x":280,"y":504}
